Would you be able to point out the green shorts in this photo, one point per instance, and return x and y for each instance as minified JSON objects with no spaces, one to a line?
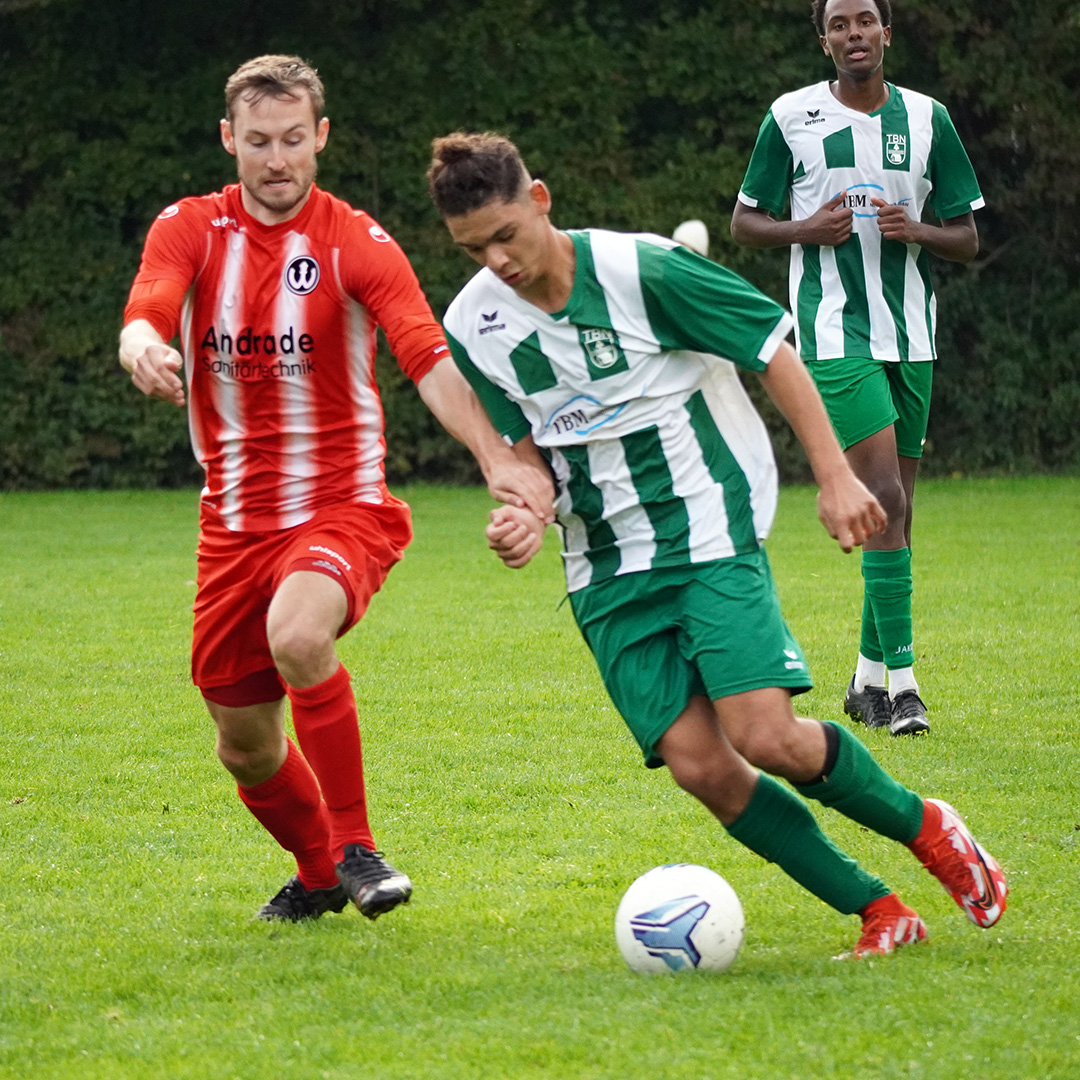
{"x":662,"y":636}
{"x":864,"y":396}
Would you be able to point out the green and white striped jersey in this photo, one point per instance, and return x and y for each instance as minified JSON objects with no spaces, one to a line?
{"x":660,"y":458}
{"x":867,"y":297}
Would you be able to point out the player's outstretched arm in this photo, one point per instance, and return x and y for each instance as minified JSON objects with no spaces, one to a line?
{"x":515,"y":535}
{"x":849,"y":512}
{"x":509,"y":478}
{"x":153,"y":365}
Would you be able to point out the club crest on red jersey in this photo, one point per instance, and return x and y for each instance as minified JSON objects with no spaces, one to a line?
{"x":302,"y":275}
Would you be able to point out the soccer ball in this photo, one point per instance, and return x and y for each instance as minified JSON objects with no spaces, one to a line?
{"x":678,"y":917}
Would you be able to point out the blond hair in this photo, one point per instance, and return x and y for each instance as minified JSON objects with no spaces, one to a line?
{"x":276,"y":76}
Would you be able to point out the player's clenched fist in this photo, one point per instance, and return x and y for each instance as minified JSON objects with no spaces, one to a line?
{"x":849,"y":512}
{"x":154,"y":372}
{"x":895,"y":223}
{"x":830,"y":226}
{"x":515,"y":535}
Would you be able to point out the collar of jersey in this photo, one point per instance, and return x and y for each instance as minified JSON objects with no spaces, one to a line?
{"x":855,"y":112}
{"x":254,"y":225}
{"x":580,"y":257}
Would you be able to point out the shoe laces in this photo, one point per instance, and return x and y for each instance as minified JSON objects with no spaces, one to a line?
{"x":877,"y":933}
{"x":907,"y":705}
{"x":364,"y":866}
{"x":939,"y":855}
{"x":293,"y":891}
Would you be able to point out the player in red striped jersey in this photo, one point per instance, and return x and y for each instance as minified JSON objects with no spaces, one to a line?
{"x":276,"y":289}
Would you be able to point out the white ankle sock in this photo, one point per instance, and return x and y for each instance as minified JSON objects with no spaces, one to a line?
{"x":869,"y":673}
{"x":901,"y":679}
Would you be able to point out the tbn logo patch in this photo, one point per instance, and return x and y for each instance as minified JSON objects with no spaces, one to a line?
{"x":604,"y":355}
{"x":896,"y":149}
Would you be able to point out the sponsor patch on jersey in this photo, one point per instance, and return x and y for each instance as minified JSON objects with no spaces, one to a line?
{"x":858,"y":199}
{"x":377,"y":232}
{"x":302,"y":275}
{"x":581,"y":415}
{"x":168,"y":212}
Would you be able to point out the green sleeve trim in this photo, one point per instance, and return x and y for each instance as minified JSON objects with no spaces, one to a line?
{"x":504,"y":413}
{"x":771,"y":170}
{"x":956,"y":190}
{"x":694,"y":304}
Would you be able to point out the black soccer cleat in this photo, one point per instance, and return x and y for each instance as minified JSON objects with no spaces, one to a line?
{"x":869,"y":706}
{"x":908,"y":714}
{"x":372,"y":884}
{"x":294,"y":903}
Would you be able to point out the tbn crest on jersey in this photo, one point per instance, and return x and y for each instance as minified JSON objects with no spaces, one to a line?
{"x":302,"y":275}
{"x":603,"y":353}
{"x":896,"y":149}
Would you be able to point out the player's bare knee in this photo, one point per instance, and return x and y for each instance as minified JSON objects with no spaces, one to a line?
{"x":889,"y":491}
{"x":703,"y":776}
{"x":774,"y":749}
{"x":300,"y":653}
{"x":793,"y":750}
{"x":249,"y":765}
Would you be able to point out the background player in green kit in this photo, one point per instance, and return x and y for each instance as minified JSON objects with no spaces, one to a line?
{"x":602,"y":352}
{"x":859,"y":158}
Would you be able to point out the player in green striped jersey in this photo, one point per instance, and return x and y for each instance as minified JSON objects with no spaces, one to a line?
{"x":858,"y":159}
{"x":612,"y":356}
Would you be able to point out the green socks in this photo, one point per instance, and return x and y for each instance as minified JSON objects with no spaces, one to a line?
{"x":886,"y":627}
{"x":778,"y":826}
{"x":862,"y":790}
{"x":869,"y":644}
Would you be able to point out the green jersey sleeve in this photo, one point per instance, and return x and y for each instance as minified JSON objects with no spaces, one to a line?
{"x":955,"y":191}
{"x":771,"y":170}
{"x":505,"y":415}
{"x":694,"y":304}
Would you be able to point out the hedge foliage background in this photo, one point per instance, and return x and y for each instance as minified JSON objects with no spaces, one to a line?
{"x":638,"y":114}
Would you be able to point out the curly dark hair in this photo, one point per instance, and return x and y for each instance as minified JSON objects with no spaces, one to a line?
{"x":470,"y":169}
{"x":817,"y":13}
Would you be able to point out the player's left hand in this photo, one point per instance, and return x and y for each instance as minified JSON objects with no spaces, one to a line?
{"x":520,"y":484}
{"x":895,"y":223}
{"x":849,"y":512}
{"x":515,"y":535}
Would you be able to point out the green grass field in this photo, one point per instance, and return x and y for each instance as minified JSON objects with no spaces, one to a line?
{"x":503,"y":782}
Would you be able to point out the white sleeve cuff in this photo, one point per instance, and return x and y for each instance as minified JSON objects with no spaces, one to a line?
{"x":784,"y":327}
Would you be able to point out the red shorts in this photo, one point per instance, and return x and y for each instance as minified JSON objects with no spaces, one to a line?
{"x":239,"y":572}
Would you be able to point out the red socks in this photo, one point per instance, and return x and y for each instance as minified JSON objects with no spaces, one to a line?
{"x":328,"y":731}
{"x":289,"y":807}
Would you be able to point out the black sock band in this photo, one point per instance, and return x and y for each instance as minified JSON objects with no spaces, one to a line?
{"x":832,"y":752}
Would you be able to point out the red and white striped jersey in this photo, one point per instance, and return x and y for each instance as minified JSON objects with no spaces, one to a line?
{"x":278,"y":334}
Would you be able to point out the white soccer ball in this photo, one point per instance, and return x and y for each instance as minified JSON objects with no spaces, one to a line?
{"x":679,"y":917}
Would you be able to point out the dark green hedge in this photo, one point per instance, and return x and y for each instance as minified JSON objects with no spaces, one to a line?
{"x":639,"y":115}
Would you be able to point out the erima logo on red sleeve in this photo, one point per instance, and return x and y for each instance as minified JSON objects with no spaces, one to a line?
{"x":377,"y":232}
